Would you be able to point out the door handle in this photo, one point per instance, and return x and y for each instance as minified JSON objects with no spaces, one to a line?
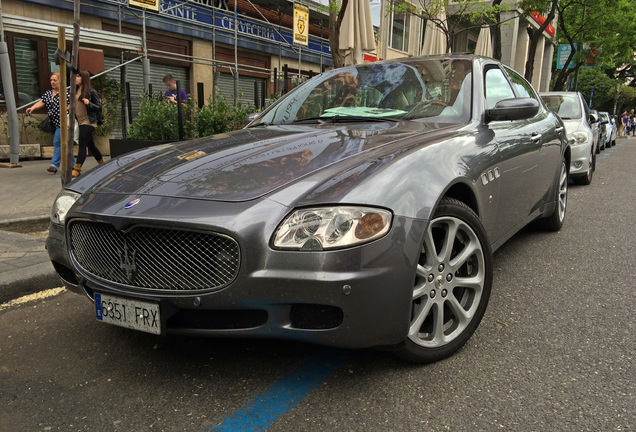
{"x":559,"y":129}
{"x":535,"y":137}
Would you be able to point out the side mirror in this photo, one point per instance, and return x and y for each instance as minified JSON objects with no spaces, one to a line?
{"x":513,"y":109}
{"x":250,"y":118}
{"x":613,"y":121}
{"x":593,"y":118}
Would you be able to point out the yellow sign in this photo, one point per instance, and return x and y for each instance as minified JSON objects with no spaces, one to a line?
{"x":301,"y":24}
{"x":146,"y":4}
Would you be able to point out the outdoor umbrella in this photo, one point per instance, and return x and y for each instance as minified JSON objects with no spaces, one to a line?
{"x":434,"y":37}
{"x":356,"y":32}
{"x":484,"y":46}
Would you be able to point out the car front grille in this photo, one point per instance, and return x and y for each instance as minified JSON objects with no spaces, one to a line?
{"x":150,"y":258}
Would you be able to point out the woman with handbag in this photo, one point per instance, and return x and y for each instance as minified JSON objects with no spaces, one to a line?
{"x":87,"y":111}
{"x":51,"y":100}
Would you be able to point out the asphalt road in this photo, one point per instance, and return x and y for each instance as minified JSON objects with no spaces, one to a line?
{"x":556,"y":351}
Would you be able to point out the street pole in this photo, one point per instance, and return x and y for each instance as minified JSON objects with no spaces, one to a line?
{"x":73,"y":99}
{"x":145,"y":63}
{"x":236,"y":72}
{"x":9,"y":96}
{"x":616,"y":94}
{"x":64,"y":166}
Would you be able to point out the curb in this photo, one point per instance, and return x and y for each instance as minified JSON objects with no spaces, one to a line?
{"x":26,"y":224}
{"x":38,"y":276}
{"x":30,"y":280}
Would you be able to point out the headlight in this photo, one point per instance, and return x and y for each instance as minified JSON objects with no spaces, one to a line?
{"x":62,"y":204}
{"x":332,"y":227}
{"x":579,"y":137}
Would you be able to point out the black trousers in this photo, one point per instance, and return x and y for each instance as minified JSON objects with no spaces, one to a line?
{"x":86,"y":141}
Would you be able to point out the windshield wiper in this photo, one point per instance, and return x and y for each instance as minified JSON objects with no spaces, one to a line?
{"x":312,"y":120}
{"x":352,"y":119}
{"x":343,"y":119}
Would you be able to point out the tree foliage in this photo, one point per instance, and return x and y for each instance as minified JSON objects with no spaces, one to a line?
{"x":607,"y":24}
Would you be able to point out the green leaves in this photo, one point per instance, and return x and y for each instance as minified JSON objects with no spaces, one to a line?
{"x":158,"y":119}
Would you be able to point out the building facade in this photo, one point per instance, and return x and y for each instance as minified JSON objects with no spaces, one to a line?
{"x":196,"y":41}
{"x":403,"y":36}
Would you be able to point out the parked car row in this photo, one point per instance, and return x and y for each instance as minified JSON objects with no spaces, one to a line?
{"x":588,"y":131}
{"x":359,"y":210}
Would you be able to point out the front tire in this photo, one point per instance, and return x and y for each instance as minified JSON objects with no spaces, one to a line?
{"x":452,"y":284}
{"x":587,"y":178}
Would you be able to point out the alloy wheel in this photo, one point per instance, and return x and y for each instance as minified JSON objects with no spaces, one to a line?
{"x":450,"y":281}
{"x":563,"y":191}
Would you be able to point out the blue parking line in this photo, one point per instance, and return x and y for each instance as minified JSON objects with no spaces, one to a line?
{"x":260,"y":412}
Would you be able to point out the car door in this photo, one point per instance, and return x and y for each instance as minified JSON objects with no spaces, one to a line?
{"x":519,"y":142}
{"x":545,"y":148}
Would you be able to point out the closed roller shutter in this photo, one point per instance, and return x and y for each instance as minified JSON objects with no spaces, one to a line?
{"x":26,"y":66}
{"x":135,"y":76}
{"x":246,"y":88}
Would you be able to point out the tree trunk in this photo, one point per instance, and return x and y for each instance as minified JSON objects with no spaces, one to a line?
{"x":495,"y":34}
{"x":535,"y":35}
{"x":335,"y":21}
{"x":562,"y":76}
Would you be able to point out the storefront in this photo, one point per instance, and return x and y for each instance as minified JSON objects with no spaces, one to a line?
{"x":189,"y":40}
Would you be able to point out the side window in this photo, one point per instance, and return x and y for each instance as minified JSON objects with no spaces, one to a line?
{"x":522,"y":87}
{"x":497,"y":87}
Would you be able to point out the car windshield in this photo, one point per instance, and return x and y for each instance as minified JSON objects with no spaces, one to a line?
{"x":436,"y":90}
{"x":566,"y":106}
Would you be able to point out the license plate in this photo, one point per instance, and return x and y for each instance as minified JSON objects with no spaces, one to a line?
{"x":132,"y":314}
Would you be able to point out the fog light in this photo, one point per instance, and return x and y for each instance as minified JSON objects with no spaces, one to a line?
{"x":578,"y":164}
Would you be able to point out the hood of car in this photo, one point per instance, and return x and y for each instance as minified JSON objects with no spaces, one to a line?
{"x":572,"y":125}
{"x":246,"y":164}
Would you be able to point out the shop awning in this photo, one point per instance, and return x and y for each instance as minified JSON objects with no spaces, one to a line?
{"x":88,"y":36}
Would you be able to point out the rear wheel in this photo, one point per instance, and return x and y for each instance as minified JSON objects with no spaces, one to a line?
{"x":452,"y":284}
{"x":554,"y":222}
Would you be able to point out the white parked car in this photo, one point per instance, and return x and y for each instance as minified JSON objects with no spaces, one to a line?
{"x":609,"y":124}
{"x":581,"y":129}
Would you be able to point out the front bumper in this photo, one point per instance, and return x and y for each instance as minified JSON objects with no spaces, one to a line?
{"x":353,"y":298}
{"x":580,"y":155}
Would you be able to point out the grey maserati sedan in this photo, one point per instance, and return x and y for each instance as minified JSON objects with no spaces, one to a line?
{"x":360,"y":210}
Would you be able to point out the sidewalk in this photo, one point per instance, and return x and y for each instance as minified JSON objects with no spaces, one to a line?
{"x":26,"y":197}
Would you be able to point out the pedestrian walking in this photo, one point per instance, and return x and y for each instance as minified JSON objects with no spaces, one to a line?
{"x":622,"y":123}
{"x":51,"y":100}
{"x":87,"y":111}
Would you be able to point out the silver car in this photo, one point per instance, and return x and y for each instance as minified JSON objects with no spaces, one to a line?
{"x":580,"y":126}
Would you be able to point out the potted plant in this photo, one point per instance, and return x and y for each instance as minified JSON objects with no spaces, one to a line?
{"x":156,"y":123}
{"x":111,"y":97}
{"x":220,"y":117}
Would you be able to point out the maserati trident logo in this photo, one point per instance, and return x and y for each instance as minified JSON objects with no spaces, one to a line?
{"x":127,"y":258}
{"x":132,"y":203}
